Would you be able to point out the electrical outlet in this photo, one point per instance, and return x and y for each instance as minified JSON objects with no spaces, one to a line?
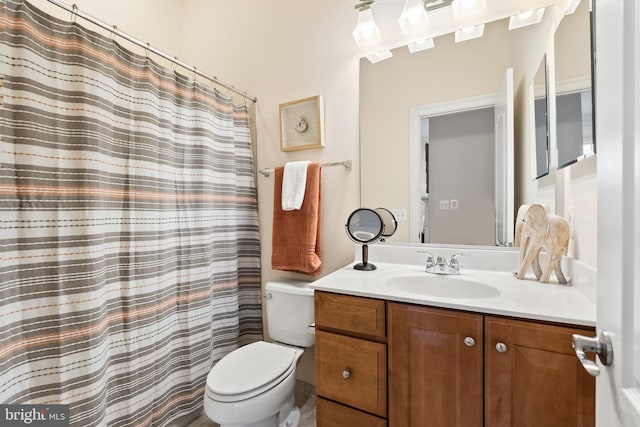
{"x":453,"y":204}
{"x":444,"y":204}
{"x":399,"y":214}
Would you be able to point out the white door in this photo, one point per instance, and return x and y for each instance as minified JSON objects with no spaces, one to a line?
{"x":504,"y":183}
{"x":618,"y":163}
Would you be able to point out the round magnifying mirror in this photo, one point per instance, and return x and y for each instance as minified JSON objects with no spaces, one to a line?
{"x":365,"y":226}
{"x":390,"y":225}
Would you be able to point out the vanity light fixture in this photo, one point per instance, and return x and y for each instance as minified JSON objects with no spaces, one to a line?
{"x":469,"y":33}
{"x":419,"y":45}
{"x":379,"y":55}
{"x":570,"y":6}
{"x":462,"y":8}
{"x":526,"y":17}
{"x":366,"y":30}
{"x":414,"y":17}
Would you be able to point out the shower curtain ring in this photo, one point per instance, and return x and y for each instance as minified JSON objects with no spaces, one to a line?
{"x":173,"y":63}
{"x":74,"y":13}
{"x":113,"y":32}
{"x":195,"y":75}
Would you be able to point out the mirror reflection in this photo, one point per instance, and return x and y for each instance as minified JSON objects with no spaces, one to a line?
{"x":574,"y":100}
{"x":365,"y":226}
{"x":541,"y":121}
{"x":447,"y":79}
{"x":389,"y":223}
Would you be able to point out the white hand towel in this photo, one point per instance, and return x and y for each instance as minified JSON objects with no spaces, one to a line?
{"x":294,"y":183}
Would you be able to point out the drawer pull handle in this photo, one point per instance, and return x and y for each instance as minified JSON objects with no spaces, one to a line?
{"x":346,"y":374}
{"x":501,"y":347}
{"x":469,"y":342}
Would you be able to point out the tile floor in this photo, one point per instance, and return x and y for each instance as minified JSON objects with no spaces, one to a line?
{"x":305,"y":399}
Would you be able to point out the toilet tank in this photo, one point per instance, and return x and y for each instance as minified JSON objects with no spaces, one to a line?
{"x":290,"y":312}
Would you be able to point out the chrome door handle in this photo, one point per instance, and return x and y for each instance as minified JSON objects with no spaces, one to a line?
{"x":600,"y":345}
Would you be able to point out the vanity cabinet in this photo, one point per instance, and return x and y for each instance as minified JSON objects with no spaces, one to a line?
{"x":351,"y":361}
{"x":386,"y":363}
{"x":448,"y":368}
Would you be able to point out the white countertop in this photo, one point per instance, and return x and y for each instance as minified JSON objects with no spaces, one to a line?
{"x":528,"y":299}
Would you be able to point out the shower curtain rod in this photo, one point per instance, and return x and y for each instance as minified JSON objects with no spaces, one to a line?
{"x":114,"y":30}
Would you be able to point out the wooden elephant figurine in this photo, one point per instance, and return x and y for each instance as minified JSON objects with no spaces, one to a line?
{"x":541,"y":230}
{"x":522,"y":210}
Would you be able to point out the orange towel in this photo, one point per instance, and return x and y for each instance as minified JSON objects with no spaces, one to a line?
{"x":297,"y":234}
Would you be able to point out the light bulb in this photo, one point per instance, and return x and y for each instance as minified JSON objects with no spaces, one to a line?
{"x":366,"y":30}
{"x":468,"y":29}
{"x":413,"y":18}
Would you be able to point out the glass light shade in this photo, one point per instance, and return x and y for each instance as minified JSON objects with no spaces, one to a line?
{"x":420,"y":45}
{"x":366,"y":30}
{"x":379,"y":55}
{"x":528,"y":17}
{"x":462,"y":8}
{"x":469,"y":33}
{"x":414,"y":17}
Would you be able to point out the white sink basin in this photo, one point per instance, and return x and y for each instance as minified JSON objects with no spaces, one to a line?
{"x":452,"y":286}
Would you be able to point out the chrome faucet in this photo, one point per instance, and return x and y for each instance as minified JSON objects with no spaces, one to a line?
{"x":440,"y":265}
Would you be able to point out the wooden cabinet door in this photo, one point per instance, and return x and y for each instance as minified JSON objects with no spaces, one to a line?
{"x":535,"y":379}
{"x":435,"y":379}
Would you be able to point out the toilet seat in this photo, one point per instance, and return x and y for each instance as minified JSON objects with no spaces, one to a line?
{"x":250,"y":371}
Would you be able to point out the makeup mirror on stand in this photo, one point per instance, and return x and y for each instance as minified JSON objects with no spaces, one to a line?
{"x":366,"y":226}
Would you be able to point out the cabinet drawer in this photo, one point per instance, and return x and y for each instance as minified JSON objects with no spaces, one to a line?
{"x":362,"y":362}
{"x":331,"y":414}
{"x":357,"y":315}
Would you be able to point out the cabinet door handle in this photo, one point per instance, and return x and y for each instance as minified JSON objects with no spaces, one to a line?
{"x":501,"y":347}
{"x":346,"y":374}
{"x":469,"y":342}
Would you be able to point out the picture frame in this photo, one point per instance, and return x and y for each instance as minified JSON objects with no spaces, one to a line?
{"x":302,"y":124}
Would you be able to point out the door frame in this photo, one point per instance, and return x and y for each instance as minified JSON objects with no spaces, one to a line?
{"x":416,"y":114}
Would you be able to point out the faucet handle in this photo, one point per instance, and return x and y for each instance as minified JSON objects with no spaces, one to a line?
{"x":430,"y":262}
{"x":454,"y":263}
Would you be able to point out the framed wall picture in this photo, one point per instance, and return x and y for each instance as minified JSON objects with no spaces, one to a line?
{"x":302,"y":124}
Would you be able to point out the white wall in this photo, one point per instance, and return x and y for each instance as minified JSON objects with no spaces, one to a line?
{"x":281,"y":51}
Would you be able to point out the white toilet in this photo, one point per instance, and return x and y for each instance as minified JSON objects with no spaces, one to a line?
{"x":253,"y":386}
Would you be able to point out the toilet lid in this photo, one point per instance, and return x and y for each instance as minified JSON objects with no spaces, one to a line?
{"x":249,"y":368}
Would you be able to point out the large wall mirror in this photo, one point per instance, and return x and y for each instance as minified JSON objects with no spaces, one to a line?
{"x":574,"y":96}
{"x":447,"y":75}
{"x":460,"y":204}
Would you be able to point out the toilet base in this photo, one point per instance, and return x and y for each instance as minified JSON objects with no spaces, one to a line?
{"x":276,"y":420}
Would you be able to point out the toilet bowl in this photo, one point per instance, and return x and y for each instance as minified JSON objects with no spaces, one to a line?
{"x":253,"y":386}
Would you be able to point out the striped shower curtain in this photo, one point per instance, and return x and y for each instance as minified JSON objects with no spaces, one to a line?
{"x":129,"y":254}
